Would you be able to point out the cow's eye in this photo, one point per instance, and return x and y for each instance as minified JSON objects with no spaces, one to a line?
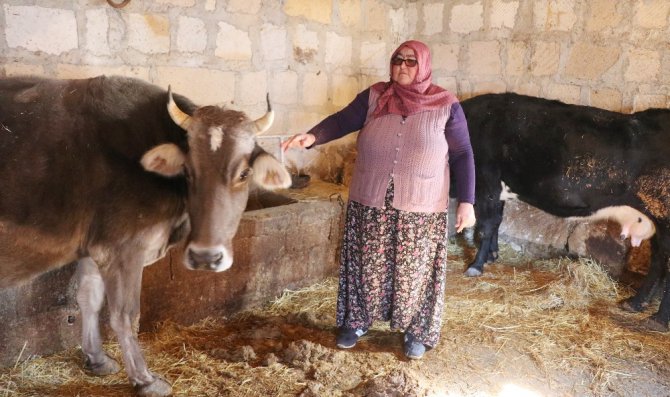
{"x":244,"y":175}
{"x":639,"y":220}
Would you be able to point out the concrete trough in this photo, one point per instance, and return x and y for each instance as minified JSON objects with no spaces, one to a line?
{"x":284,"y":241}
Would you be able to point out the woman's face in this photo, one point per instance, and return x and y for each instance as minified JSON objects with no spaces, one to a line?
{"x":402,"y":73}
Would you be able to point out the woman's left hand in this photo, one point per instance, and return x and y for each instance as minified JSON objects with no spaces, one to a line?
{"x":465,"y":216}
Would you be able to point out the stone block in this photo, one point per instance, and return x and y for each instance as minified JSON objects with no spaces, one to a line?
{"x":651,"y":14}
{"x":202,"y":86}
{"x":344,"y":89}
{"x":305,"y":45}
{"x":484,"y":58}
{"x":449,"y":83}
{"x":273,"y":42}
{"x":244,"y":6}
{"x":445,"y":56}
{"x":466,"y":18}
{"x":349,"y":12}
{"x":529,"y":88}
{"x":605,"y":98}
{"x":68,"y":71}
{"x":495,"y":86}
{"x":191,"y":35}
{"x":97,"y":25}
{"x":516,"y":58}
{"x":566,"y":93}
{"x":643,"y":102}
{"x":374,"y":55}
{"x":284,"y":87}
{"x":253,"y":87}
{"x":503,"y":14}
{"x":314,"y":89}
{"x":232,"y":44}
{"x":375,"y":15}
{"x":554,"y":15}
{"x":178,"y":3}
{"x":149,"y":33}
{"x":589,"y":62}
{"x":315,"y":10}
{"x":338,"y":49}
{"x":604,"y":15}
{"x":50,"y":30}
{"x":18,"y":69}
{"x":40,"y":317}
{"x":433,"y":18}
{"x":643,"y":65}
{"x":544,"y":58}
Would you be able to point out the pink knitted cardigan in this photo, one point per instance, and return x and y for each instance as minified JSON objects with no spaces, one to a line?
{"x":412,"y":150}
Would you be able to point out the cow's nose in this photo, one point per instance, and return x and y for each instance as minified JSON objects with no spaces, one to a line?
{"x":207,"y":259}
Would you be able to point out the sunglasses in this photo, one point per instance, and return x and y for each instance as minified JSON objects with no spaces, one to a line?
{"x":408,"y":61}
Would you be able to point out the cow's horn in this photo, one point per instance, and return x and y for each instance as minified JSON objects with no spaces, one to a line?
{"x":263,"y":124}
{"x":180,"y":118}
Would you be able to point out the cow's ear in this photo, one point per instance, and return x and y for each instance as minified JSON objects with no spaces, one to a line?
{"x":270,"y":173}
{"x":166,"y":159}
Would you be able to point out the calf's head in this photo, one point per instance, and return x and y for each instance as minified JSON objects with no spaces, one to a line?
{"x":222,"y":159}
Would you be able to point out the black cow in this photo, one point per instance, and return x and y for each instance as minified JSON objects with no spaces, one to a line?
{"x":574,"y":161}
{"x":110,"y":172}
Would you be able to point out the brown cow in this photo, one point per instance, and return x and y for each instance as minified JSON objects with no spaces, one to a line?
{"x":110,"y":172}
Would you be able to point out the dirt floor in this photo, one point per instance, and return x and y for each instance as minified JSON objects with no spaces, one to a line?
{"x":525,"y":328}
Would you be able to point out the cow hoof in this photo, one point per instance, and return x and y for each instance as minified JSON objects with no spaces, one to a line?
{"x":628,"y":306}
{"x":472,"y":272}
{"x":107,"y":366}
{"x":158,"y":388}
{"x":653,"y":324}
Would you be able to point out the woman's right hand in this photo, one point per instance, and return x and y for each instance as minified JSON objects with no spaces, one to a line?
{"x":298,"y":141}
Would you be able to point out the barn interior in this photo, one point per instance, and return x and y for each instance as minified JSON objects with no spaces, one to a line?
{"x":530,"y":326}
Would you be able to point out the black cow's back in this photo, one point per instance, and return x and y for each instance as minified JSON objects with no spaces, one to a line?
{"x":547,"y":151}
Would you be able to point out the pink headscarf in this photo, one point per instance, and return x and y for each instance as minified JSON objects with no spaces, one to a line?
{"x":419,"y":96}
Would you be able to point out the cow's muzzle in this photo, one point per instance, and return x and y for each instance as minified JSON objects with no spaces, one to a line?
{"x":216,"y":259}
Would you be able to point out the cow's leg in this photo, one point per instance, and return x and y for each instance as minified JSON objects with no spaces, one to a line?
{"x":90,"y":297}
{"x":123,"y":283}
{"x":659,"y":321}
{"x":493,"y":249}
{"x":654,"y":278}
{"x":489,"y":218}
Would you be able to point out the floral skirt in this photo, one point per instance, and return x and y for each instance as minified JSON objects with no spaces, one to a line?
{"x":393,"y":268}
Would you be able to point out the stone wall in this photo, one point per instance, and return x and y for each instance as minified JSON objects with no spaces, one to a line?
{"x":313,"y":56}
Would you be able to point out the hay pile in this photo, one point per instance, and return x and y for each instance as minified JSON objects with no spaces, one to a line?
{"x":552,"y":326}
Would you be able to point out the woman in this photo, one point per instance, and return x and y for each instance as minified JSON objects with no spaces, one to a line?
{"x":393,"y":263}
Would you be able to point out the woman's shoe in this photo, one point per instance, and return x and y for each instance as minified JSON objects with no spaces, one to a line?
{"x":413,"y":347}
{"x":348,"y":337}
